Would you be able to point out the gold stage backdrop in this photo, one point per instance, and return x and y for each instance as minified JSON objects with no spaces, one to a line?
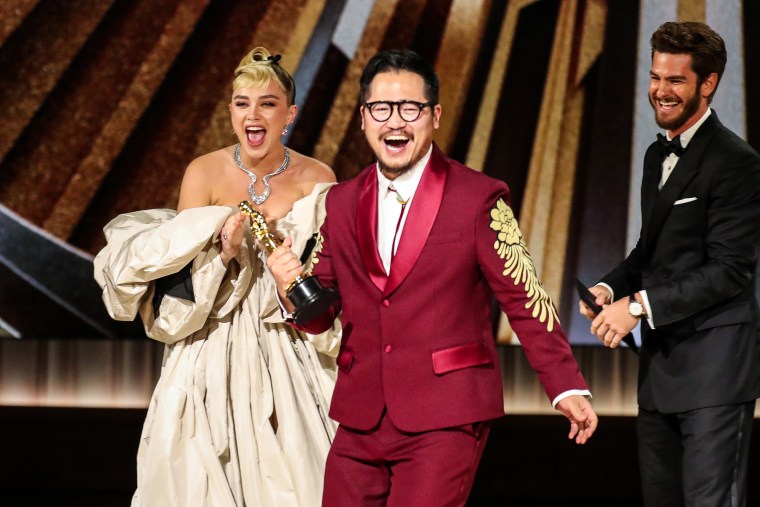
{"x":103,"y":103}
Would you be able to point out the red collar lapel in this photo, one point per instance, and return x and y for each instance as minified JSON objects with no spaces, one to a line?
{"x":422,"y":213}
{"x":366,"y":229}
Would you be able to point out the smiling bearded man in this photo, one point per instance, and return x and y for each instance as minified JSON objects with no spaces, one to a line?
{"x":690,"y":280}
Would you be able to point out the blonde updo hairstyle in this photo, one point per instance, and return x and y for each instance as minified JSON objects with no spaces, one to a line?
{"x":258,"y":68}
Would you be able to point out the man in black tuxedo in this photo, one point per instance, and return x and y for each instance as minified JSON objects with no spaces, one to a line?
{"x":691,"y":280}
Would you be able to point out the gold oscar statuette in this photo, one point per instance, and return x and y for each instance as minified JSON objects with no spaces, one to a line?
{"x":305,"y":292}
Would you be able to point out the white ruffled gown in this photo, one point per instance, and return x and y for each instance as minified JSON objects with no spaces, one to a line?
{"x":239,"y":414}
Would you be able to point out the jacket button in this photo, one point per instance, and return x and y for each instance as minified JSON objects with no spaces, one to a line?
{"x":388,"y":349}
{"x":386,"y":303}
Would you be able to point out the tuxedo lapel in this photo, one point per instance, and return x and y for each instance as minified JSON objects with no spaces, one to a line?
{"x":422,"y":214}
{"x":685,"y":171}
{"x":366,"y":230}
{"x":649,"y":192}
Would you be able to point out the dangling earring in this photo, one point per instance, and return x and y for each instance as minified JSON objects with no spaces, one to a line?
{"x":285,"y":131}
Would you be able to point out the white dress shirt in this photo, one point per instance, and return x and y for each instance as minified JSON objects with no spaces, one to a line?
{"x":389,"y":208}
{"x":669,"y":163}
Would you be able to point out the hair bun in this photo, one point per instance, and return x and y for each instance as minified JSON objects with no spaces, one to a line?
{"x":258,"y":67}
{"x":260,"y":55}
{"x":257,"y":56}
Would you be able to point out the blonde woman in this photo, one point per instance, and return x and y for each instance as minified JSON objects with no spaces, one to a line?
{"x":239,"y":415}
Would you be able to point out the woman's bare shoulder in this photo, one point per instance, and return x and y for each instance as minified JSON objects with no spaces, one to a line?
{"x":197,"y":187}
{"x":311,"y":170}
{"x":205,"y":164}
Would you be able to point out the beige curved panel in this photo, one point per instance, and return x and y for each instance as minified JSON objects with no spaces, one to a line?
{"x":478,"y":148}
{"x":344,"y":107}
{"x":456,"y":59}
{"x":547,"y":205}
{"x":84,"y":183}
{"x":12,"y":13}
{"x":53,"y":49}
{"x":692,"y":10}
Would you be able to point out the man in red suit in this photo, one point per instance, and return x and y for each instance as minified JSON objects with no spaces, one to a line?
{"x":417,"y":244}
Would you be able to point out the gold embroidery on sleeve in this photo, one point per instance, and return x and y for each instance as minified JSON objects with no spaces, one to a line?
{"x":518,"y":265}
{"x":314,"y":260}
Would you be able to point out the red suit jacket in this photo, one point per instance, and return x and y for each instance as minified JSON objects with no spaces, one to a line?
{"x":419,"y":340}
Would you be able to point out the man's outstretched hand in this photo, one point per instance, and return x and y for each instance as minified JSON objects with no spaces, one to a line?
{"x":583,"y":419}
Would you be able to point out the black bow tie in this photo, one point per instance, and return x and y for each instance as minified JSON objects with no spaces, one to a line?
{"x":672,"y":146}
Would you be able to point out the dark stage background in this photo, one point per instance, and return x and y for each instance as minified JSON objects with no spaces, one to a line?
{"x":65,"y":457}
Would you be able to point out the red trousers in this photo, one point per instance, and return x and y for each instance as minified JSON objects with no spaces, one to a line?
{"x":387,"y":467}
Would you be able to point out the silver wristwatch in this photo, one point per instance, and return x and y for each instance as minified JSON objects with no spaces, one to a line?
{"x":635,"y":308}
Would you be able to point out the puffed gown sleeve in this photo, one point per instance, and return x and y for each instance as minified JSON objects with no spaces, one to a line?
{"x":146,"y":246}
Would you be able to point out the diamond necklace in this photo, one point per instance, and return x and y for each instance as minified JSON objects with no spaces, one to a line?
{"x":259,"y":199}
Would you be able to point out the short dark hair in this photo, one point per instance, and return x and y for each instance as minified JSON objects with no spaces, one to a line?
{"x":706,"y":47}
{"x":396,"y":60}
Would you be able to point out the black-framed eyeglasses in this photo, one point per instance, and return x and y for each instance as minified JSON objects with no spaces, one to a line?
{"x":408,"y":110}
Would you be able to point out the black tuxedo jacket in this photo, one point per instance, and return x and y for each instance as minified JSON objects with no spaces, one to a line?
{"x":696,"y":257}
